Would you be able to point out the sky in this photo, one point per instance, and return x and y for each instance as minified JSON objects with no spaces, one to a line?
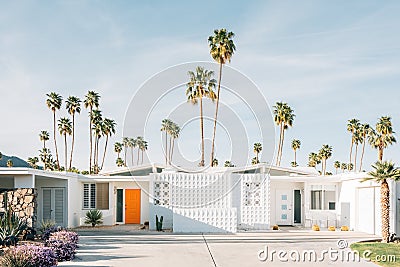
{"x":329,"y":60}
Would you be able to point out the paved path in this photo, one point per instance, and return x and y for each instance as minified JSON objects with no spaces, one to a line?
{"x":148,"y":249}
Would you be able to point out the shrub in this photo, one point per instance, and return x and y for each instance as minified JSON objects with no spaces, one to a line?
{"x":29,"y":256}
{"x":11,"y":226}
{"x":275,"y":227}
{"x":315,"y":227}
{"x":94,"y":217}
{"x":47,"y":232}
{"x":331,"y":228}
{"x":64,"y":244}
{"x":344,"y":228}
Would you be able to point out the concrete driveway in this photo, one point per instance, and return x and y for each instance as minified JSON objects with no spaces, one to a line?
{"x":116,"y":248}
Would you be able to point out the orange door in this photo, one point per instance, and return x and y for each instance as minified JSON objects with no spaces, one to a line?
{"x":132,"y":206}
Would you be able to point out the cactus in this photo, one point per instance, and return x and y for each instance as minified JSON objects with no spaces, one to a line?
{"x":159,"y":223}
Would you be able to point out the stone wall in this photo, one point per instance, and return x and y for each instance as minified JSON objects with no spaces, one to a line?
{"x":23,"y":203}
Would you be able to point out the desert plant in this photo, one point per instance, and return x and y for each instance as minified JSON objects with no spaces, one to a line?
{"x":29,"y":256}
{"x":344,"y":228}
{"x":64,"y":244}
{"x":11,"y":226}
{"x":331,"y":228}
{"x":315,"y":227}
{"x":275,"y":227}
{"x":94,"y":217}
{"x":46,"y":224}
{"x":159,"y":223}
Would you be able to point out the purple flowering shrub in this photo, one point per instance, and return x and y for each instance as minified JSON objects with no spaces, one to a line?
{"x":48,"y":231}
{"x":29,"y":256}
{"x":64,"y":244}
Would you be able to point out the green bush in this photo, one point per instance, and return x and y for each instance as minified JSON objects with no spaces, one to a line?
{"x":94,"y":217}
{"x":11,"y":226}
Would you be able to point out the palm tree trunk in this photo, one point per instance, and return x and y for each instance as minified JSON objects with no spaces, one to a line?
{"x":385,"y":211}
{"x":132,"y":155}
{"x":138,"y":150}
{"x":166,"y":147}
{"x":94,"y":155}
{"x":323,"y":166}
{"x":279,"y":144}
{"x":202,"y":163}
{"x":55,"y":139}
{"x":91,"y":140}
{"x":172,"y":150}
{"x":355,"y":158}
{"x":362,"y":154}
{"x":281,"y":151}
{"x":73,"y":140}
{"x":351,"y":148}
{"x":125,"y":155}
{"x":295,"y":160}
{"x":44,"y":143}
{"x":142,"y":157}
{"x":65,"y":151}
{"x":104,"y":153}
{"x":216,"y":114}
{"x":380,"y":154}
{"x":257,"y":156}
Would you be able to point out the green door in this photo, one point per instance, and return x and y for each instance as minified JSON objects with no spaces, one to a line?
{"x":297,"y":206}
{"x":120,"y":203}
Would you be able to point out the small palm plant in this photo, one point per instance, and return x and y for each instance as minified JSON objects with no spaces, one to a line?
{"x":94,"y":217}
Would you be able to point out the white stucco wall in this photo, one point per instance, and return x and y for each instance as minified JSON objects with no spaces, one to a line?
{"x":24,"y":181}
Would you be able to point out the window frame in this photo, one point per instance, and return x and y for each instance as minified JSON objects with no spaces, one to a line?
{"x":323,"y":189}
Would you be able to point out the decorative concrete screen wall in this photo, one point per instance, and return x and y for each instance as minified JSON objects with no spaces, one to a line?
{"x":255,"y":201}
{"x":201,"y":202}
{"x":23,"y":203}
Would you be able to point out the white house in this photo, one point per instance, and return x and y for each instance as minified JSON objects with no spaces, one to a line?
{"x":218,"y":200}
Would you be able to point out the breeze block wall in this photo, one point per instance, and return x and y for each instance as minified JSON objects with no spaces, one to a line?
{"x":23,"y":203}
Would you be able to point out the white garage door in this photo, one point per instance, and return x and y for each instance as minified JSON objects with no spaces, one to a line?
{"x":368,"y":210}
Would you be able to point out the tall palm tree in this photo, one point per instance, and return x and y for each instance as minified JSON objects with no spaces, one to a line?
{"x":73,"y":105}
{"x":365,"y":131}
{"x":117,"y":148}
{"x":222,"y":49}
{"x":336,"y":164}
{"x":44,"y":136}
{"x":97,"y":127}
{"x":65,"y":127}
{"x":166,"y":127}
{"x":201,"y":84}
{"x":283,"y":117}
{"x":108,"y":130}
{"x":143,"y":147}
{"x":257,"y":148}
{"x":132,"y":143}
{"x":313,"y":159}
{"x":296,"y":144}
{"x":54,"y":102}
{"x":91,"y":101}
{"x":382,"y":136}
{"x":325,"y":153}
{"x":175,"y":131}
{"x":343,"y":166}
{"x":357,"y":139}
{"x":125,"y":142}
{"x":352,"y":126}
{"x":139,"y":143}
{"x":383,"y":171}
{"x":46,"y":157}
{"x":33,"y":161}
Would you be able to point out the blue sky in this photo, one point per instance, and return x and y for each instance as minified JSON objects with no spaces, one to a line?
{"x":331,"y":61}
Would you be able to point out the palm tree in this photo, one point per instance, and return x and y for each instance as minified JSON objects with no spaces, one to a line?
{"x":200,"y":85}
{"x":343,"y":166}
{"x":120,"y":162}
{"x":257,"y":149}
{"x":222,"y":49}
{"x":46,"y":157}
{"x":143,"y":147}
{"x":325,"y":153}
{"x":294,"y":164}
{"x":139,"y":143}
{"x":357,"y":139}
{"x":254,"y":161}
{"x":65,"y":127}
{"x":10,"y":163}
{"x":284,"y":117}
{"x":33,"y":161}
{"x":313,"y":159}
{"x":117,"y":148}
{"x":382,"y":136}
{"x":73,"y":105}
{"x":97,"y":125}
{"x":107,"y":130}
{"x":44,"y":136}
{"x":365,"y":131}
{"x":350,"y":166}
{"x":91,"y":100}
{"x":125,"y":142}
{"x":336,"y":164}
{"x":175,"y":131}
{"x":295,"y":146}
{"x":352,"y":127}
{"x":166,"y":126}
{"x":54,"y":102}
{"x":215,"y":163}
{"x":132,"y":143}
{"x":382,"y":172}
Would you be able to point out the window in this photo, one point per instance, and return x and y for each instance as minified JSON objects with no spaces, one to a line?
{"x":96,"y":196}
{"x":323,"y":197}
